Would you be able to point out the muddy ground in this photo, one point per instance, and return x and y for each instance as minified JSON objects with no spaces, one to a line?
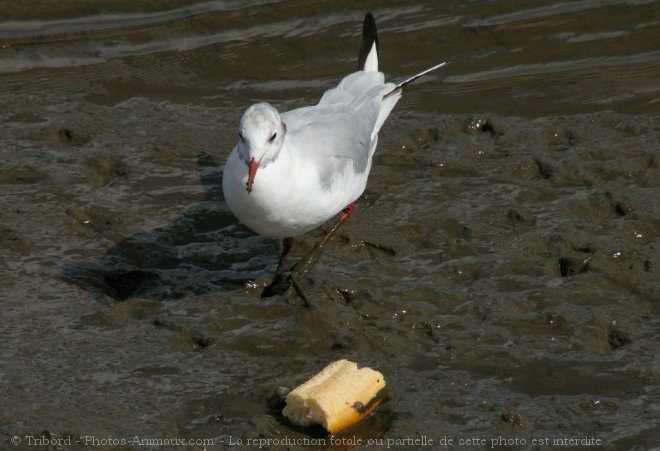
{"x":501,"y":269}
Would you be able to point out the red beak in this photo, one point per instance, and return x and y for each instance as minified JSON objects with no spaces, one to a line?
{"x":252,"y":171}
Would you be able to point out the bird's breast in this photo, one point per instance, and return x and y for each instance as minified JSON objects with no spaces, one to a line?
{"x":288,"y":196}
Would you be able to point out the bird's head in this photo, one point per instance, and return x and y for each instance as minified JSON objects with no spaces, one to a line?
{"x":260,"y":138}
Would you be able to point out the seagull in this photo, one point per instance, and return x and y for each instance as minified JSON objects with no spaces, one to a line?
{"x":291,"y":172}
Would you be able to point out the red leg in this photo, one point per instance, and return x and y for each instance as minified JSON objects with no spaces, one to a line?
{"x":346,"y":212}
{"x":343,"y":217}
{"x":286,"y":247}
{"x":305,"y":264}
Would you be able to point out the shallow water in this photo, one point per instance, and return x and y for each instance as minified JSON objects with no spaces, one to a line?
{"x":501,"y":270}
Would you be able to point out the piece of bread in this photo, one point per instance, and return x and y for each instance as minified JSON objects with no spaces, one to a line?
{"x":338,"y":397}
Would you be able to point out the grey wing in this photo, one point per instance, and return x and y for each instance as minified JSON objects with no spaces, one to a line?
{"x":333,"y":136}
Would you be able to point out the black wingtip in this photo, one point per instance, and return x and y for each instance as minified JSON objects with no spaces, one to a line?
{"x":369,"y":37}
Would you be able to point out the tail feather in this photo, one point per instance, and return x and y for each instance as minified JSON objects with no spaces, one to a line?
{"x":398,"y":87}
{"x":368,"y":56}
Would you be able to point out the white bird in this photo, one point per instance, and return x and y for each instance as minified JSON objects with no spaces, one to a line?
{"x":291,"y":172}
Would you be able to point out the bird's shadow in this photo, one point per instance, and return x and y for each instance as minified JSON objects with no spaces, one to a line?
{"x":203,"y":250}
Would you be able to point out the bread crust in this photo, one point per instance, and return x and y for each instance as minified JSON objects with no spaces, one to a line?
{"x":338,"y":397}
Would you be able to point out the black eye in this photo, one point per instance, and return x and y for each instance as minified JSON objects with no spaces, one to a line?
{"x":240,"y":136}
{"x":272,"y":138}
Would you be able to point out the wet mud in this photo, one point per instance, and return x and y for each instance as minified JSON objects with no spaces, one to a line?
{"x":501,"y":270}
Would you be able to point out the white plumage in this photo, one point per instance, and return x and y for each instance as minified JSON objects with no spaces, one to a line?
{"x":292,"y":172}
